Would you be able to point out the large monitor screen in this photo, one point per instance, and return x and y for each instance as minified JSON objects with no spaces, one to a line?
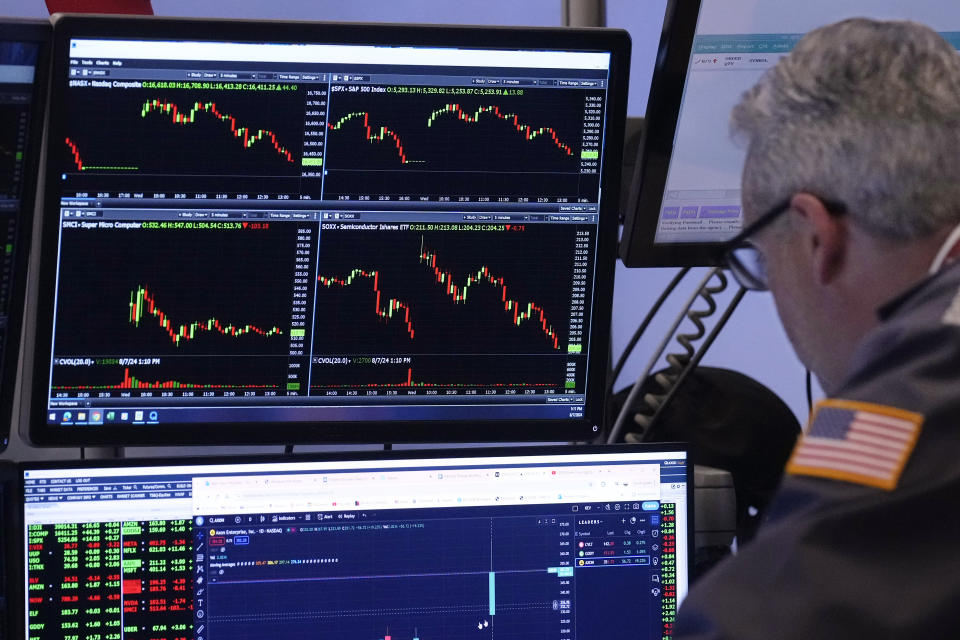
{"x":561,"y":543}
{"x":327,"y":229}
{"x":690,"y":198}
{"x":23,"y":75}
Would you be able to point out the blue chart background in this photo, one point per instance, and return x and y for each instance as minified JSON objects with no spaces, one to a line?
{"x":618,"y":602}
{"x":354,"y":585}
{"x":448,"y":607}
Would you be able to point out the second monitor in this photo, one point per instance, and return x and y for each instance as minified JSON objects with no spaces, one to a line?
{"x":712,"y":51}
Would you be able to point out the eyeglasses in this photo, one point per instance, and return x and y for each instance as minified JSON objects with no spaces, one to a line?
{"x":742,"y":257}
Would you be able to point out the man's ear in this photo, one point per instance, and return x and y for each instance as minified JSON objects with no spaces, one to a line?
{"x":823,"y":234}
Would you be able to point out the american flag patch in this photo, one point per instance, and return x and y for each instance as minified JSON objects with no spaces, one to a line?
{"x":857,"y":442}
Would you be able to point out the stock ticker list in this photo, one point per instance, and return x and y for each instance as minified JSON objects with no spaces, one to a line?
{"x":368,"y":243}
{"x":110,"y":580}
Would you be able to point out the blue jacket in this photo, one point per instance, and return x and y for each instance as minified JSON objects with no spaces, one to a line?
{"x":837,"y":558}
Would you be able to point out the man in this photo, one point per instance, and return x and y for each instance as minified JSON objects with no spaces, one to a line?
{"x":851,"y":192}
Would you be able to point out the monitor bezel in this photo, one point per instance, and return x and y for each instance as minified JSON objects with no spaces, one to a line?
{"x":617,"y":42}
{"x":642,"y":213}
{"x":374,"y":456}
{"x":11,"y":572}
{"x":32,"y":31}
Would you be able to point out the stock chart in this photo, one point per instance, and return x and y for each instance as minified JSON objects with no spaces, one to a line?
{"x":396,"y":142}
{"x":448,"y":307}
{"x":466,"y":578}
{"x":456,"y":291}
{"x":185,"y":140}
{"x":435,"y":141}
{"x":426,"y":307}
{"x":172,"y":314}
{"x":324,"y":244}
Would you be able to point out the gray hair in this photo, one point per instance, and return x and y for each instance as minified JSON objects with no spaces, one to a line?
{"x":862,"y":112}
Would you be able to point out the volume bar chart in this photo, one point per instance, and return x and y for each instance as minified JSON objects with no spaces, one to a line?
{"x":430,"y":374}
{"x":132,"y":382}
{"x":176,"y":377}
{"x":410,"y":382}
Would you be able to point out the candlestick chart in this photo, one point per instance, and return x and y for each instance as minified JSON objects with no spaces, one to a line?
{"x":143,"y":305}
{"x":453,"y":309}
{"x":524,"y":143}
{"x":171,"y":312}
{"x":185,"y":140}
{"x":444,"y":292}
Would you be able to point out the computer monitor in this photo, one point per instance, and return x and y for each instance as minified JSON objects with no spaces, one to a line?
{"x":712,"y":51}
{"x":531,"y":543}
{"x":290,"y":232}
{"x":23,"y":74}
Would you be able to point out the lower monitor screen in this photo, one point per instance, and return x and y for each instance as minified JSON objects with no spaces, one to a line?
{"x":548,"y":545}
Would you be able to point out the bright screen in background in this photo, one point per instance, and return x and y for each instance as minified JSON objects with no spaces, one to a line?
{"x":736,"y":42}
